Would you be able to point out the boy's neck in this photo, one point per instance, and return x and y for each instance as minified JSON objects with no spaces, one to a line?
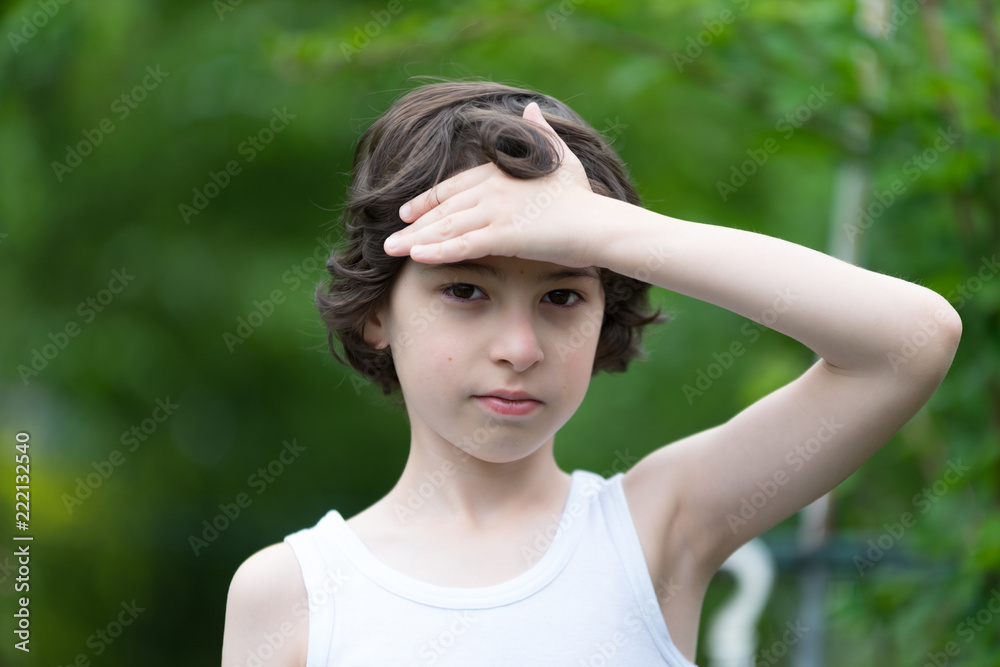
{"x":445,"y":484}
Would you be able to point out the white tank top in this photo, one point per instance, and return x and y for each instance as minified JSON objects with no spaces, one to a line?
{"x":587,"y":601}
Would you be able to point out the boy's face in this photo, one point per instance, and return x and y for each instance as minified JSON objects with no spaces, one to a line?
{"x":460,"y":333}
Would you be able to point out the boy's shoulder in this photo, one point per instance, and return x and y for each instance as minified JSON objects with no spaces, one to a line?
{"x":265,"y":595}
{"x":273,"y":570}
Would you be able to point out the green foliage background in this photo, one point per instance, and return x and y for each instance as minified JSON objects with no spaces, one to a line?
{"x":681,"y":113}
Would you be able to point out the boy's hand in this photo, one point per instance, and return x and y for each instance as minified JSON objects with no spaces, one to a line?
{"x":483,"y":211}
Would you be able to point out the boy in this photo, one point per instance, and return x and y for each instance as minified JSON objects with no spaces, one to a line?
{"x":496,"y":258}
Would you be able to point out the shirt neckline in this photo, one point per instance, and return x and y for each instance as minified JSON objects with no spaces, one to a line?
{"x":583,"y":485}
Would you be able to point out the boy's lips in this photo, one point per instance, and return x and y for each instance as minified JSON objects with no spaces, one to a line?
{"x":509,"y":395}
{"x":509,"y":407}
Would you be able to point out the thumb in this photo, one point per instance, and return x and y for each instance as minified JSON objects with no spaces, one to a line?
{"x":533,"y":114}
{"x":568,"y":159}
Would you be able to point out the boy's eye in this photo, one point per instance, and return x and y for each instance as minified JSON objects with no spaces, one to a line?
{"x":563,"y":297}
{"x":466,"y":292}
{"x":462,"y":291}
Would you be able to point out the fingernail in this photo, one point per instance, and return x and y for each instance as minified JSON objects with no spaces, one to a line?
{"x":391,"y":243}
{"x":404,"y":211}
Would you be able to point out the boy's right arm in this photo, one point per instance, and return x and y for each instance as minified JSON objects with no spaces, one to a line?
{"x":267,"y":612}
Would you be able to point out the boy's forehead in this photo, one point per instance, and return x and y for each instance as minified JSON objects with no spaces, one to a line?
{"x":500,"y":268}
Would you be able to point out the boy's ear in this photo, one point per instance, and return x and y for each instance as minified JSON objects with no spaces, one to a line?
{"x":374,"y":332}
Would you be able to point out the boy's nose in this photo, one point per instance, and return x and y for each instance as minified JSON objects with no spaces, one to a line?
{"x":515,"y":341}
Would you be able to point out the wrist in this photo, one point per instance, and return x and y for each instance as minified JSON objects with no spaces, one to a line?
{"x":627,"y":239}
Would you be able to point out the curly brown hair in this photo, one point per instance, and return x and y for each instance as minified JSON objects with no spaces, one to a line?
{"x":428,"y":135}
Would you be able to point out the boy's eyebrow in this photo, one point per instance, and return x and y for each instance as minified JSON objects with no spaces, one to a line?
{"x":500,"y":276}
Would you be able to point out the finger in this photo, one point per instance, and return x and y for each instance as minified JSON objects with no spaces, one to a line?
{"x":458,"y":202}
{"x":451,"y":226}
{"x":419,"y":205}
{"x":533,"y":114}
{"x":472,"y":245}
{"x":435,"y":225}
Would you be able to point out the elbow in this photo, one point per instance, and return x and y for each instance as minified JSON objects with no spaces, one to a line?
{"x":954,"y":330}
{"x":929,"y":344}
{"x":950,"y":326}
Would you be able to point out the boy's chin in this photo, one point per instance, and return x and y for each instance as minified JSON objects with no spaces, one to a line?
{"x":501,"y":450}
